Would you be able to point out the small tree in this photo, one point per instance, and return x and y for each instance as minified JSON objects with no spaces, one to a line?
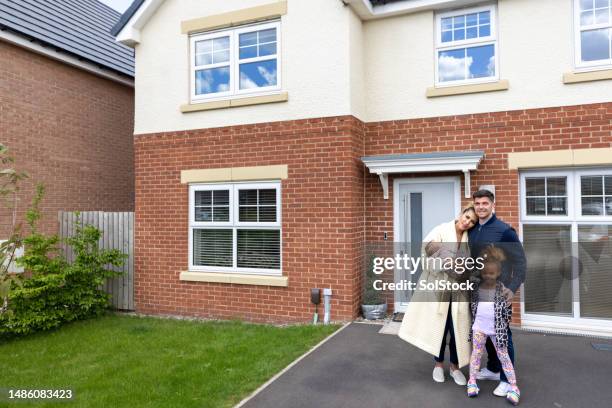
{"x":371,"y":296}
{"x":9,"y":187}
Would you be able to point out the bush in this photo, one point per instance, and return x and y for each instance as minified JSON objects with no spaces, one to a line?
{"x":371,"y":296}
{"x":59,"y":291}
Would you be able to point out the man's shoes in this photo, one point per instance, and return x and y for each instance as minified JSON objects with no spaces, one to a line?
{"x":502,"y":389}
{"x":486,"y":374}
{"x":458,"y":376}
{"x":438,"y":374}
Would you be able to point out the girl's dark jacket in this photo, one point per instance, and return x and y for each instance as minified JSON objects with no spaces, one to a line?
{"x":503,"y":314}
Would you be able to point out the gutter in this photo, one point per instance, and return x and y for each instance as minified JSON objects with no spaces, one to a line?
{"x":365,"y":10}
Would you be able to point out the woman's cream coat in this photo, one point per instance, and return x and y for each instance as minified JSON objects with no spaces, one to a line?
{"x":425,"y":318}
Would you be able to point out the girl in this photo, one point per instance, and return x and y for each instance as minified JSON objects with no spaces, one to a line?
{"x":491,"y":315}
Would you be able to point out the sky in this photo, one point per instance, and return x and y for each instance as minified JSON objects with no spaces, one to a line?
{"x":119,"y":5}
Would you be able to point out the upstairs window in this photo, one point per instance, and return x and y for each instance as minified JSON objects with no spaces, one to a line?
{"x":593,"y":20}
{"x":466,"y":46}
{"x":236,"y":62}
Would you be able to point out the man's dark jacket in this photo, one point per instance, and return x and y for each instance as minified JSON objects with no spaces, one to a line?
{"x":504,"y":237}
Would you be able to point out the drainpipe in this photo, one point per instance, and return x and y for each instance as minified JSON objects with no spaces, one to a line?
{"x":327,"y":292}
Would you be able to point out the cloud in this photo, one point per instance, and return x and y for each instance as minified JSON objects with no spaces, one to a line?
{"x":268,"y":76}
{"x":491,"y":66}
{"x":246,"y":82}
{"x":451,"y":68}
{"x":205,"y":80}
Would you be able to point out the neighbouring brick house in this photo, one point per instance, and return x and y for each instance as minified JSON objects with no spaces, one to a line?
{"x":275,"y":141}
{"x":66,"y":106}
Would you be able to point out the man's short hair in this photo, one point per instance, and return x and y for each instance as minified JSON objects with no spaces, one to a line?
{"x":484,"y":193}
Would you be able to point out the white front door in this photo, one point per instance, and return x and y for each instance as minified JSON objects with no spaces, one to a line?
{"x":419,"y":205}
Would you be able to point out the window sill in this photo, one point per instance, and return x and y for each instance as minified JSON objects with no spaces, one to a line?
{"x":500,"y":85}
{"x":233,"y":103}
{"x":589,"y":76}
{"x":243,"y":279}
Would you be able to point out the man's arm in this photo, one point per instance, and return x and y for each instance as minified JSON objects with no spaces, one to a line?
{"x":516,"y":256}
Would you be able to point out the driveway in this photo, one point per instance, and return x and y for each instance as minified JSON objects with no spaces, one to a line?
{"x":359,"y":367}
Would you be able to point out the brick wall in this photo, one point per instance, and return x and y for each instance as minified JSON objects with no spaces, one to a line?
{"x":322,"y":218}
{"x":497,"y":134}
{"x":70,"y":130}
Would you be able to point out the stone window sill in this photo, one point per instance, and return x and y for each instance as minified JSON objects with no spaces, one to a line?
{"x":233,"y":103}
{"x":500,"y":85}
{"x":577,"y":77}
{"x":243,"y":279}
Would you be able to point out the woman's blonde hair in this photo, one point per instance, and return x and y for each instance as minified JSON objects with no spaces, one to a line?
{"x":468,"y":207}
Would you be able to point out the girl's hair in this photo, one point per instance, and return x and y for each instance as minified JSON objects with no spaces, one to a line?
{"x":492,"y":254}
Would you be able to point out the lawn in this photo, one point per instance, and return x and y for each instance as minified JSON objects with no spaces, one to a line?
{"x":126,"y":361}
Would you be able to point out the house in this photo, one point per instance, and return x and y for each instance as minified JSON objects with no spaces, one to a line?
{"x":66,"y":106}
{"x":275,"y":141}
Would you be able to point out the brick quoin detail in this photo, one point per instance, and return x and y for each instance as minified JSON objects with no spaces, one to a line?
{"x":71,"y":131}
{"x":331,"y":205}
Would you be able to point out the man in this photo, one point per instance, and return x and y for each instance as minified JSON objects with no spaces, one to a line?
{"x":492,"y":230}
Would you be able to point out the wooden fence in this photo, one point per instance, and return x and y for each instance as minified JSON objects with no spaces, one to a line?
{"x":117,"y":233}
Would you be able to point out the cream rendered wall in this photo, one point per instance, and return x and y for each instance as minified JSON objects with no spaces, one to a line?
{"x":356,"y":68}
{"x":536,"y":46}
{"x":315,"y":66}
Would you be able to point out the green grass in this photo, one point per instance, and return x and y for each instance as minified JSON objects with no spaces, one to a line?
{"x":125,"y":361}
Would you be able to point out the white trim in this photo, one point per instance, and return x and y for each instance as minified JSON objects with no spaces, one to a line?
{"x":466,"y":44}
{"x":51,"y":52}
{"x":399,"y":306}
{"x":588,"y":65}
{"x":365,"y":10}
{"x":130,"y":33}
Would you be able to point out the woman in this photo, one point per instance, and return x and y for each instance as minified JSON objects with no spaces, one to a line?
{"x":431,"y":316}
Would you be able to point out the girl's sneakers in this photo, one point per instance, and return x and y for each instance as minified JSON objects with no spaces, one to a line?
{"x":513,"y":396}
{"x":472,"y":389}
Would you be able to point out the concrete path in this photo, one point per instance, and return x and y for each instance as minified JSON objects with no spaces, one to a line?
{"x":361,"y":368}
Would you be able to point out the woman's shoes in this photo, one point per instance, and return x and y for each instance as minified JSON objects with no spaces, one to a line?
{"x":513,"y":396}
{"x":438,"y":374}
{"x":472,"y":390}
{"x":458,"y":376}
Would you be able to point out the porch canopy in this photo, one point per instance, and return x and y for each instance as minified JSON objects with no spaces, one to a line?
{"x":434,"y":162}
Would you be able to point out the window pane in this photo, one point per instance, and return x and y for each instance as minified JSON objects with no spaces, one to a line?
{"x":484,"y":17}
{"x":535,"y":186}
{"x":259,"y":249}
{"x":248,"y":52}
{"x":536,"y":206}
{"x":556,"y":186}
{"x":548,"y":285}
{"x":608,"y":205}
{"x":203,"y":59}
{"x":247,"y":214}
{"x":203,"y":197}
{"x":601,"y":3}
{"x":459,"y":35}
{"x":267,"y":49}
{"x":484,"y":31}
{"x":248,"y":39}
{"x":591,"y":185}
{"x":267,"y":214}
{"x":221,"y":197}
{"x":267,"y":197}
{"x":213,"y":247}
{"x":459,"y":22}
{"x":472,"y":32}
{"x":595,"y":254}
{"x":220,"y":56}
{"x":447,"y":36}
{"x":268,"y":35}
{"x":258,"y":74}
{"x":221,"y":214}
{"x":601,"y":16}
{"x":221,"y":43}
{"x":203,"y":46}
{"x":592,"y":206}
{"x":471,"y":19}
{"x":557,"y":206}
{"x":447,"y":24}
{"x":451,"y":65}
{"x":203,"y":214}
{"x":586,"y":4}
{"x":586,"y":18}
{"x":481,"y":61}
{"x":247,"y":197}
{"x":595,"y":44}
{"x":212,"y":80}
{"x":608,"y":185}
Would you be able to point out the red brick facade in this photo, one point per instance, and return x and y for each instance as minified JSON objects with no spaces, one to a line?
{"x":331,"y":205}
{"x":70,"y":130}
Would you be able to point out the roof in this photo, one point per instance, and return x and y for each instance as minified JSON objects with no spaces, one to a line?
{"x":126,"y":16}
{"x":79,"y":27}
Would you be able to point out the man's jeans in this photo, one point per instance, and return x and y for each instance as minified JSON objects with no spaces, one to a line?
{"x":494,"y":364}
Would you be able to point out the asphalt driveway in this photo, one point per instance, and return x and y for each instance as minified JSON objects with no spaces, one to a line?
{"x":361,"y":368}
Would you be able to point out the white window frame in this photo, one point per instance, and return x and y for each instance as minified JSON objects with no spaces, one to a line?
{"x":573,"y":323}
{"x":588,"y":65}
{"x":467,"y":43}
{"x":234,"y":224}
{"x":234,"y":63}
